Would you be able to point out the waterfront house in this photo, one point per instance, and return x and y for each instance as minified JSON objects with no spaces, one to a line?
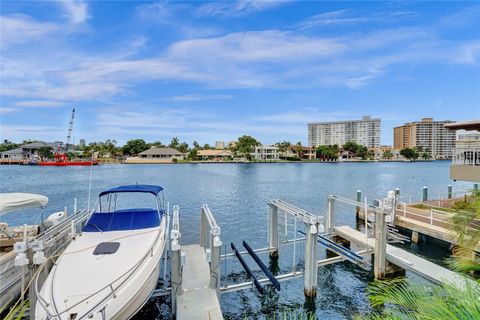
{"x":265,"y":153}
{"x":29,"y":151}
{"x":301,"y":152}
{"x":14,"y":154}
{"x":215,"y":155}
{"x":156,"y":155}
{"x":346,"y":155}
{"x":466,"y":154}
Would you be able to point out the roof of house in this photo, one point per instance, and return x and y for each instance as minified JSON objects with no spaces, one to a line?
{"x":217,"y":153}
{"x":13,"y":151}
{"x":40,"y":144}
{"x":161,"y":151}
{"x":35,"y":145}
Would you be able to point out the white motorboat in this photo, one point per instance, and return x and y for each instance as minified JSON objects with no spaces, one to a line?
{"x":18,"y":244}
{"x":110,"y":270}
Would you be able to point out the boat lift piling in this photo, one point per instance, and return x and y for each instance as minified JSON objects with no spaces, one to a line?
{"x":273,"y":243}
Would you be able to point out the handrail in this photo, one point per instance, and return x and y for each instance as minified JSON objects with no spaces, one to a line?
{"x":130,"y":272}
{"x":402,"y":208}
{"x":215,"y":229}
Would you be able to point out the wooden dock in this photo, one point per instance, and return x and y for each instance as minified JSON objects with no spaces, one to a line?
{"x":404,"y":259}
{"x":197,"y":301}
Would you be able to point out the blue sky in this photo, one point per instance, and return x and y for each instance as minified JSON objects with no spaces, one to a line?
{"x":213,"y":71}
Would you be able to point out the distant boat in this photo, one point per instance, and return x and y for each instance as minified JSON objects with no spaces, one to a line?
{"x":111,"y":269}
{"x":68,"y":163}
{"x":62,"y":160}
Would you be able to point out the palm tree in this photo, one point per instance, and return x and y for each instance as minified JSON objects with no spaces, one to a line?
{"x":174,"y":143}
{"x":447,"y":301}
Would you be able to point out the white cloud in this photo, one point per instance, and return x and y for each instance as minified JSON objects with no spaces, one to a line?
{"x":39,"y":103}
{"x":254,"y":59}
{"x":75,"y":10}
{"x":4,"y":110}
{"x":345,"y":17}
{"x":19,"y":28}
{"x":236,"y":8}
{"x":199,"y":97}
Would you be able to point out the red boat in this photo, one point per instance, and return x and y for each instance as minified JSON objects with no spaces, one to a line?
{"x":62,"y":160}
{"x":68,"y":163}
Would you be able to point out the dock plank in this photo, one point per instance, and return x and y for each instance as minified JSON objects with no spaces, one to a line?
{"x":197,"y":300}
{"x":406,"y":260}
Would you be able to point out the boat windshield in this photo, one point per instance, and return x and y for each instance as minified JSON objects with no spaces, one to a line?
{"x":125,"y":208}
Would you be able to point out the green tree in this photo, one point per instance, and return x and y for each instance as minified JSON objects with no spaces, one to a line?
{"x":206,"y":146}
{"x":183,"y":147}
{"x":174,"y":143}
{"x":45,"y":153}
{"x":192,"y":155}
{"x":387,"y":154}
{"x":246,"y":145}
{"x":8,"y":145}
{"x":134,"y":147}
{"x":196,"y":145}
{"x":409,"y":153}
{"x":425,"y":156}
{"x":359,"y":150}
{"x":283,"y":146}
{"x":329,"y":152}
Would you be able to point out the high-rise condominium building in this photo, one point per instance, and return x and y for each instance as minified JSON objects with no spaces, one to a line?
{"x":365,"y":132}
{"x":426,"y":135}
{"x":219,"y":144}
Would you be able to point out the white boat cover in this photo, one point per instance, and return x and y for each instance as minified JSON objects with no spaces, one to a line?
{"x":16,"y":201}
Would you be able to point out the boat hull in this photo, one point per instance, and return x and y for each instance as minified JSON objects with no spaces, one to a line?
{"x":139,"y":300}
{"x":128,"y":297}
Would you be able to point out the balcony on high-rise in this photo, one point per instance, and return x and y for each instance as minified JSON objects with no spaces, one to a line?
{"x":466,"y":154}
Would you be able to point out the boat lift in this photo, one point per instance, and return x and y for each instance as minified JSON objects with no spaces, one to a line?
{"x":318,"y":231}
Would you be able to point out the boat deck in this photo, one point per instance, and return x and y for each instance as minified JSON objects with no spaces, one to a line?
{"x":197,"y":300}
{"x":404,"y":259}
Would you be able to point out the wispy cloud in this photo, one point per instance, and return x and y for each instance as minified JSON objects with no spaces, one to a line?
{"x":199,"y":97}
{"x":76,"y":11}
{"x":236,"y":8}
{"x":19,"y":28}
{"x":4,"y":110}
{"x":40,"y":104}
{"x":348,"y":17}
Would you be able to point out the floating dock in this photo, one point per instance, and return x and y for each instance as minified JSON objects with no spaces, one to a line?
{"x":197,"y":301}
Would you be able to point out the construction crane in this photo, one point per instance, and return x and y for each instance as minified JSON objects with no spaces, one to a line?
{"x":63,"y":157}
{"x":70,"y":129}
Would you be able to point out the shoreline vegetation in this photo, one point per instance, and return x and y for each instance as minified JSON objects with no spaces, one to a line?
{"x":242,"y":150}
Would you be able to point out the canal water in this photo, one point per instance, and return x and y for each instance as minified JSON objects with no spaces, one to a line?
{"x":237,"y":195}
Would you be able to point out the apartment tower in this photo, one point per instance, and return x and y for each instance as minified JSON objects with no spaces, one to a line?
{"x":426,"y":135}
{"x":365,"y":132}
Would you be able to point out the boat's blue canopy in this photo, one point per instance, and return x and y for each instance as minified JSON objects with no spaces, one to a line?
{"x":134,"y":188}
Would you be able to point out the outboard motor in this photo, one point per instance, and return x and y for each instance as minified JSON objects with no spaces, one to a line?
{"x":54,"y":219}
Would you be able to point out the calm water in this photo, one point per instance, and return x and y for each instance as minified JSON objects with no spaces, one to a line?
{"x":237,"y":195}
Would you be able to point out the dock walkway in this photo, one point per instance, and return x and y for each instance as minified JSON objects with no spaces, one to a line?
{"x":404,"y":259}
{"x":197,"y":300}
